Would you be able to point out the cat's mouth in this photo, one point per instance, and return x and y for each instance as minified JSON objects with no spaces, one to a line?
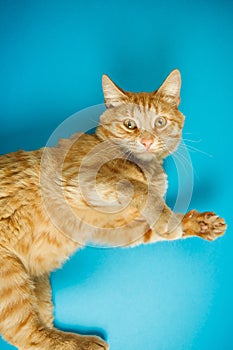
{"x":147,"y":151}
{"x":145,"y":154}
{"x":140,"y":152}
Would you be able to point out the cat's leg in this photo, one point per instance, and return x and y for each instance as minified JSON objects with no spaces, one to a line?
{"x":43,"y":294}
{"x":20,"y":321}
{"x":148,"y":219}
{"x":164,"y":224}
{"x":171,"y":226}
{"x":167,"y":225}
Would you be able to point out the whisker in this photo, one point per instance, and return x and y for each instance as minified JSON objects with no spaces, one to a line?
{"x":182,"y":161}
{"x":194,"y":149}
{"x":185,"y":159}
{"x":181,"y":155}
{"x":98,"y":123}
{"x":188,"y":140}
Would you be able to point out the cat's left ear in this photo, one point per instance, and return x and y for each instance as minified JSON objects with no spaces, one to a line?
{"x":113,"y":95}
{"x":170,"y":88}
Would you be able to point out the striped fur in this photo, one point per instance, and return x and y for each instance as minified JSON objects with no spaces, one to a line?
{"x":105,"y":188}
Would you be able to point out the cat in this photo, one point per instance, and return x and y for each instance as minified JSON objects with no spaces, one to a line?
{"x":104,"y":188}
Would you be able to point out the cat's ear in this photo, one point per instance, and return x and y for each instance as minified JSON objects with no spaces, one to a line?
{"x":113,"y":95}
{"x":170,"y":88}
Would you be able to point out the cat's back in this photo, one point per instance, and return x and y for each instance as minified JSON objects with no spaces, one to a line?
{"x":18,"y":167}
{"x":19,"y":176}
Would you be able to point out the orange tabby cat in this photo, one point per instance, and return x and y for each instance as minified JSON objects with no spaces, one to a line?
{"x":106,"y":188}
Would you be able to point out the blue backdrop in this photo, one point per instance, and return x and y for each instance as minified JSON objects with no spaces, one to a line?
{"x":167,"y":296}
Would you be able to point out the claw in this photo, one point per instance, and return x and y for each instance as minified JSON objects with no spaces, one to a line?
{"x":218,"y":231}
{"x":209,"y":215}
{"x":192,"y":213}
{"x":212,"y":218}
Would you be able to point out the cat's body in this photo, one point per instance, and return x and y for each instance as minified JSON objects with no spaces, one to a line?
{"x":106,"y":188}
{"x":22,"y":203}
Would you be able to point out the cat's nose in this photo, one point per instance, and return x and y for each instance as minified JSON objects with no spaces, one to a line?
{"x":147,"y":143}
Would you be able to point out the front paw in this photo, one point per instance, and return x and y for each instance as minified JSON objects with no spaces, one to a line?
{"x":206,"y":225}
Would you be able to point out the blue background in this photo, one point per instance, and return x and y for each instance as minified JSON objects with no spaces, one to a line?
{"x":167,"y":296}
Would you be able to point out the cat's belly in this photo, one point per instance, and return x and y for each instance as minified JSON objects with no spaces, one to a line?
{"x":49,"y":250}
{"x":49,"y":254}
{"x":39,"y":245}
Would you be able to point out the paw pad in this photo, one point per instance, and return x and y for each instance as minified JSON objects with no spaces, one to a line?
{"x":206,"y":225}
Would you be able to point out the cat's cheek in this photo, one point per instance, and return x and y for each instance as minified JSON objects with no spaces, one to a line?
{"x":171,"y":144}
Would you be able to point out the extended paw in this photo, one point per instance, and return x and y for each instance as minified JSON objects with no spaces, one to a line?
{"x":206,"y":225}
{"x":54,"y":339}
{"x":95,"y":343}
{"x":71,"y":341}
{"x":91,"y":343}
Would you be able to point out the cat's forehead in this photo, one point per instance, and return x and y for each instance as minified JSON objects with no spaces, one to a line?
{"x":147,"y":103}
{"x":148,"y":106}
{"x":143,"y":112}
{"x":143,"y":99}
{"x":143,"y":108}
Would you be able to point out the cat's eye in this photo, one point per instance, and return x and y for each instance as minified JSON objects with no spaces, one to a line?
{"x":130,"y":124}
{"x":160,"y":122}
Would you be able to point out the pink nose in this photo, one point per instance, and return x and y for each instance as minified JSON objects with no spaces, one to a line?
{"x":147,"y":143}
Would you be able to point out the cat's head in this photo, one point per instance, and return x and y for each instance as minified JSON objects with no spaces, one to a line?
{"x":145,"y":125}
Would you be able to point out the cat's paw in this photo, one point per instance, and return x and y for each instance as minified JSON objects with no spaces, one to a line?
{"x":72,"y":341}
{"x":206,"y":225}
{"x":89,"y":343}
{"x":92,"y":343}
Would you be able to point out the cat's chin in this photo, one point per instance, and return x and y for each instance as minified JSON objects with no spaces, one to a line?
{"x":145,"y":156}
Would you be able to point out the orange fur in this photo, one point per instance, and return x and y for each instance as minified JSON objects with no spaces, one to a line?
{"x":106,"y":188}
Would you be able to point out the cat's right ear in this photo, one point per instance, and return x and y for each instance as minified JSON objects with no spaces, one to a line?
{"x":113,"y":95}
{"x":171,"y":87}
